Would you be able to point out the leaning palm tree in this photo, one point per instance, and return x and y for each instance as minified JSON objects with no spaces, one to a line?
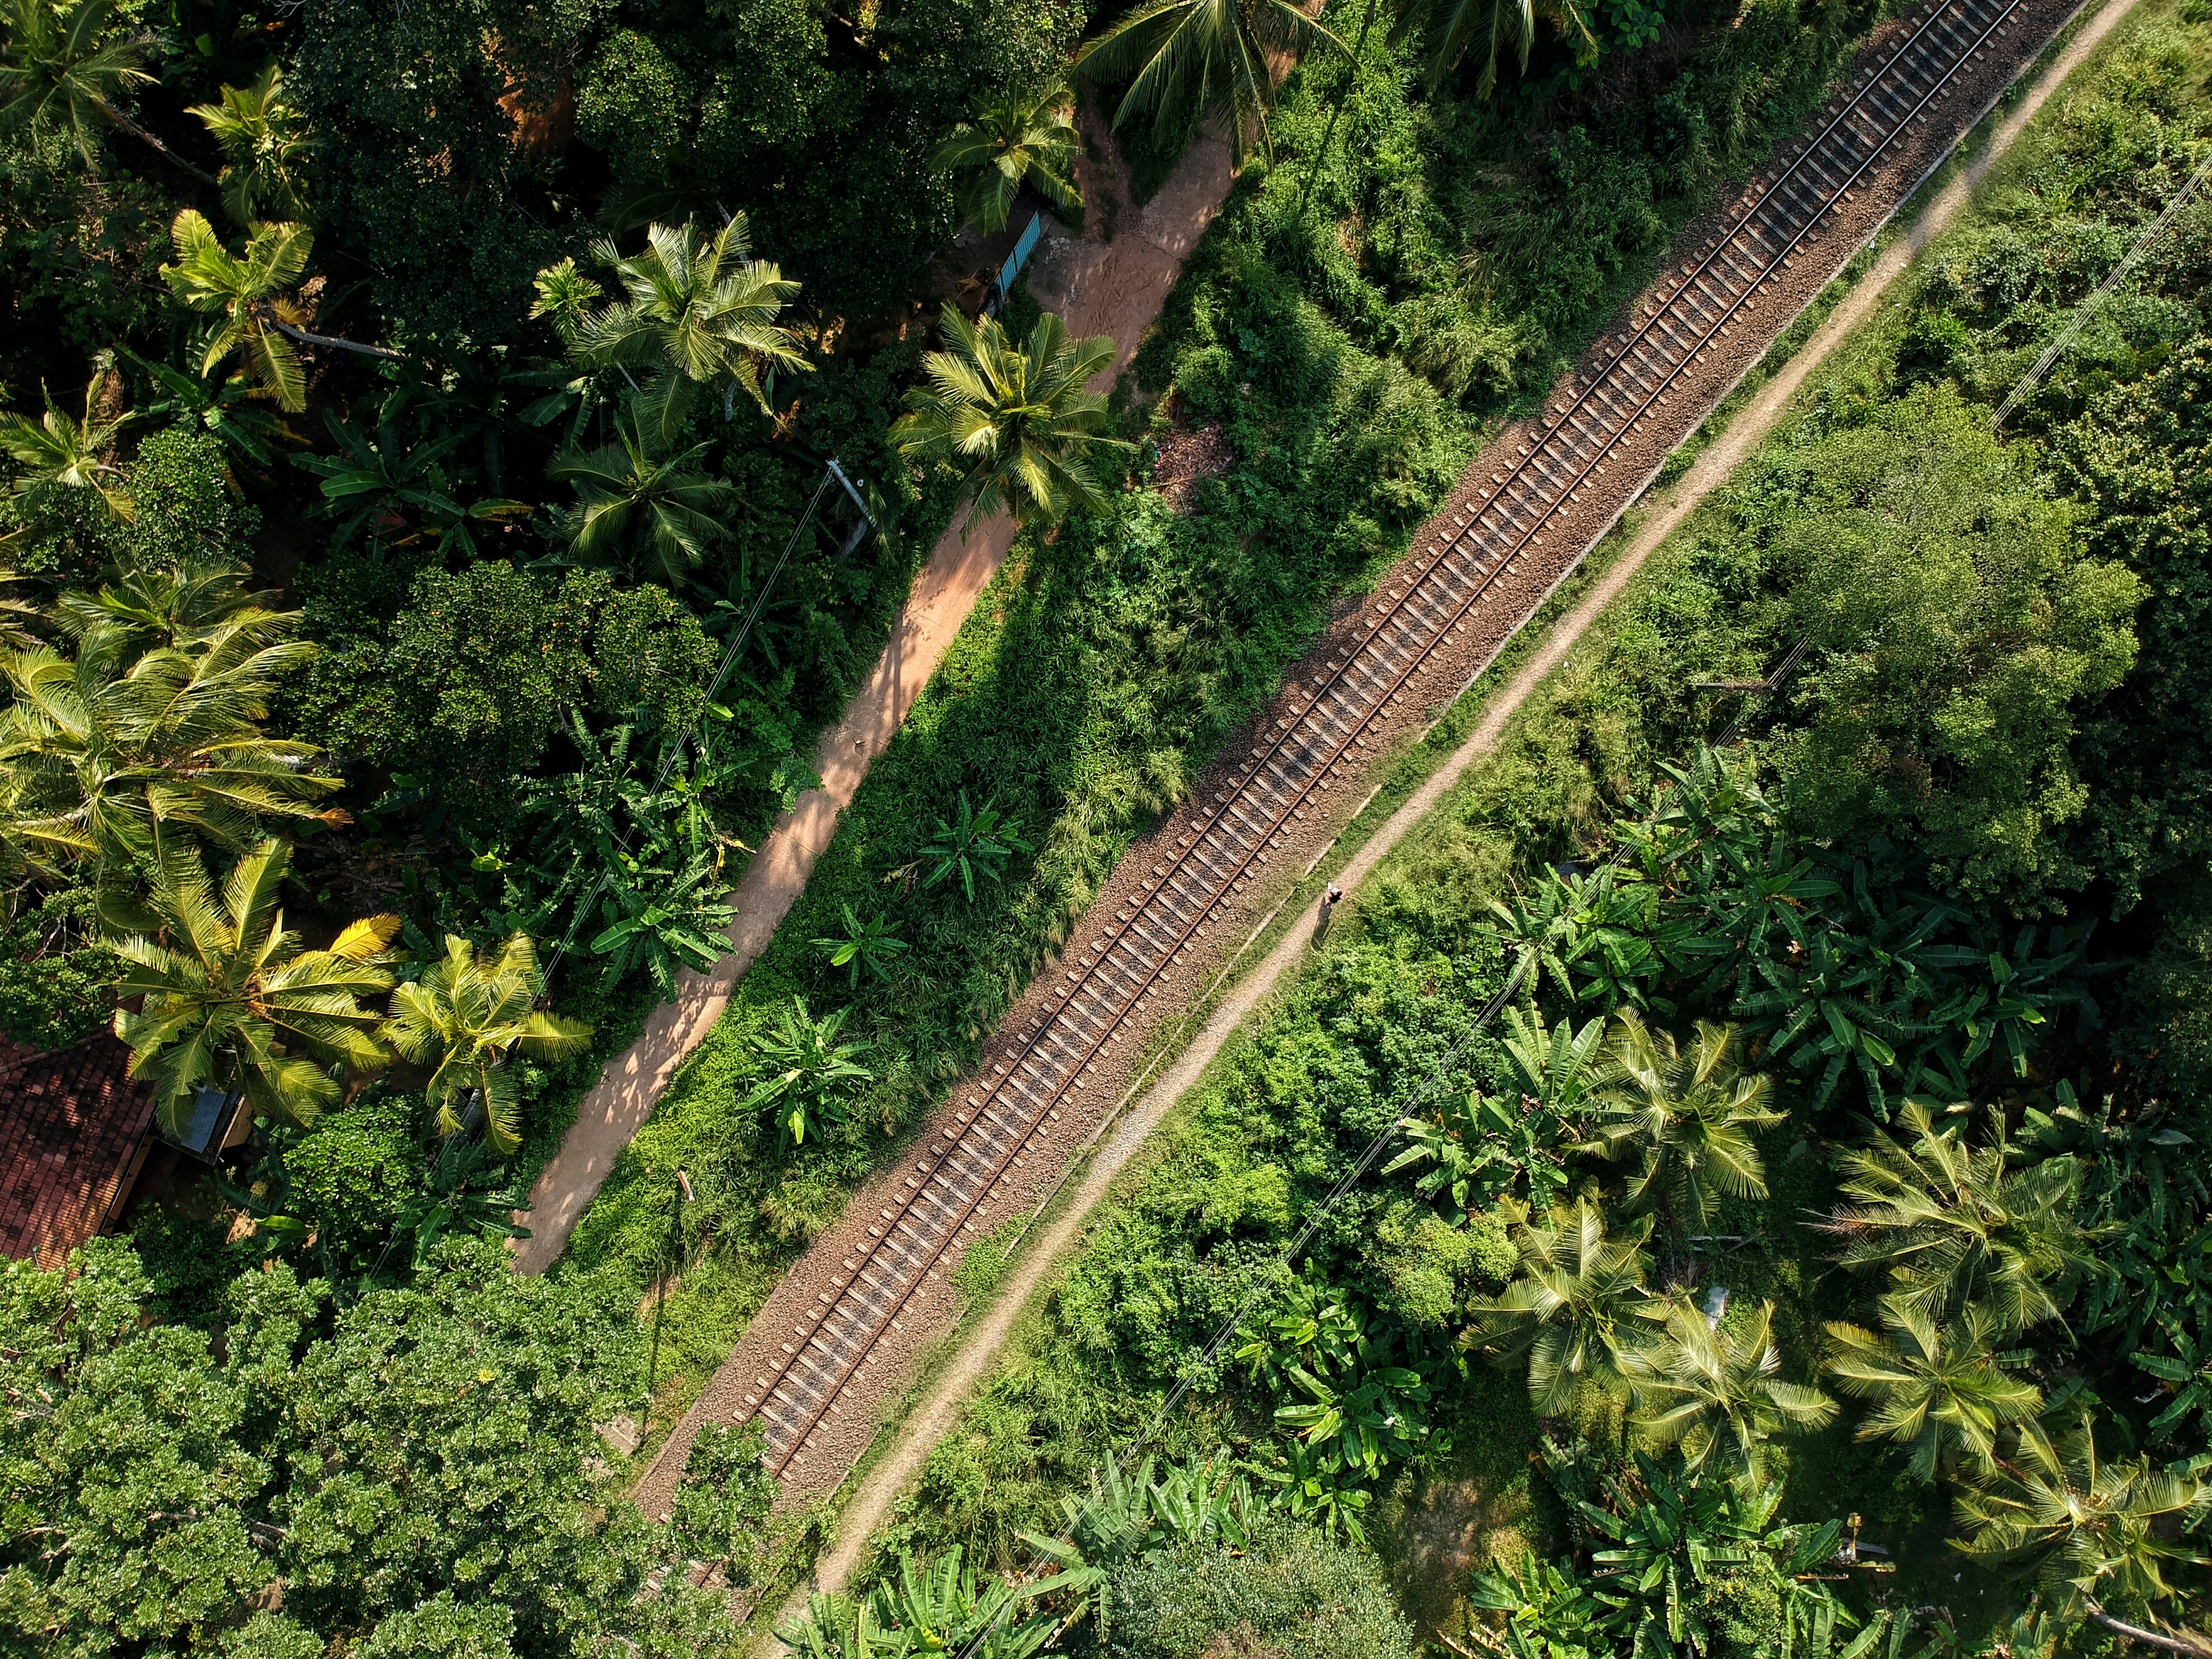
{"x":1580,"y":1299}
{"x":1493,"y":30}
{"x":1188,"y":59}
{"x":1717,"y":1392}
{"x":247,"y":291}
{"x":2099,"y":1535}
{"x":61,"y":73}
{"x":1020,"y":421}
{"x":695,"y":308}
{"x":1957,"y":1226}
{"x":103,"y":750}
{"x":470,"y":1013}
{"x":635,"y":506}
{"x":1014,"y":141}
{"x":265,"y":147}
{"x":1690,"y":1113}
{"x":60,"y":452}
{"x":1940,"y":1390}
{"x":232,"y":1002}
{"x":201,"y":605}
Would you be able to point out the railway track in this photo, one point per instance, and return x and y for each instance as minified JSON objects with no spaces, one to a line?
{"x":1315,"y":746}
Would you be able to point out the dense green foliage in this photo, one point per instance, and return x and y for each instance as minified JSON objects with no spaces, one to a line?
{"x":1953,"y":1292}
{"x":1291,"y":1592}
{"x":411,"y":1472}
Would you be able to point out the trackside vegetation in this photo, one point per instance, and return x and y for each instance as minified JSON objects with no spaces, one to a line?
{"x":1804,"y":1259}
{"x":402,"y":411}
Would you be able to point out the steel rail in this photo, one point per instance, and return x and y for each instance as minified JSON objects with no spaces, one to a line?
{"x":1300,"y":761}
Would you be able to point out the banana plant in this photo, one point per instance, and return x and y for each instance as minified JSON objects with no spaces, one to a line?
{"x":462,"y":1196}
{"x":1664,"y":1535}
{"x":222,"y":405}
{"x":973,"y":843}
{"x":1373,"y":1422}
{"x":663,"y":914}
{"x":1831,"y":1008}
{"x":1550,"y":1067}
{"x":811,"y":1073}
{"x":1310,"y":1487}
{"x":2022,"y":990}
{"x":924,"y":1607}
{"x":1549,"y":1613}
{"x":376,"y":481}
{"x":2144,"y":1186}
{"x":1595,"y":928}
{"x":1319,"y":1327}
{"x":2187,"y":1371}
{"x":1127,"y":1516}
{"x":941,"y":1608}
{"x":873,"y":944}
{"x":1478,"y":1150}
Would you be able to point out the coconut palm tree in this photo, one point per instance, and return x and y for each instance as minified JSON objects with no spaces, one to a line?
{"x":1690,"y":1115}
{"x":1019,"y":420}
{"x":1958,"y":1225}
{"x":2097,"y":1534}
{"x":1940,"y":1390}
{"x":1580,"y":1299}
{"x":59,"y":451}
{"x":1717,"y":1391}
{"x":232,"y":1002}
{"x":61,"y":73}
{"x":1188,"y":59}
{"x":264,"y":137}
{"x":103,"y":750}
{"x":470,"y":1013}
{"x":248,"y":292}
{"x":1492,"y":29}
{"x":695,"y":308}
{"x":1014,"y":141}
{"x":636,"y":507}
{"x":564,"y":295}
{"x":201,"y":605}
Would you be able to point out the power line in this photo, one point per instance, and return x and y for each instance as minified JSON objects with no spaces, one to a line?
{"x":2051,"y":353}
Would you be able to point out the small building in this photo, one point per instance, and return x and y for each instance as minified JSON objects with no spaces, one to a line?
{"x":78,"y":1139}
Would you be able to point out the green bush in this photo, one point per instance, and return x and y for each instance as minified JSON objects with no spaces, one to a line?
{"x":1958,"y":635}
{"x":415,"y":1465}
{"x":352,"y":1174}
{"x":479,"y":668}
{"x":56,"y":979}
{"x":2140,"y":461}
{"x":1293,"y":1594}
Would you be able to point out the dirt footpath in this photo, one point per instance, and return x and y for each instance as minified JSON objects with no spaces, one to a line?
{"x":1113,"y":287}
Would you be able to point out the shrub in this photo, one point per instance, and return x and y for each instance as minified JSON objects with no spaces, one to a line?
{"x":1294,"y":1594}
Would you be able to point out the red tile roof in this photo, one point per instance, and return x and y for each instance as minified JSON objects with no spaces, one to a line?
{"x":71,"y":1125}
